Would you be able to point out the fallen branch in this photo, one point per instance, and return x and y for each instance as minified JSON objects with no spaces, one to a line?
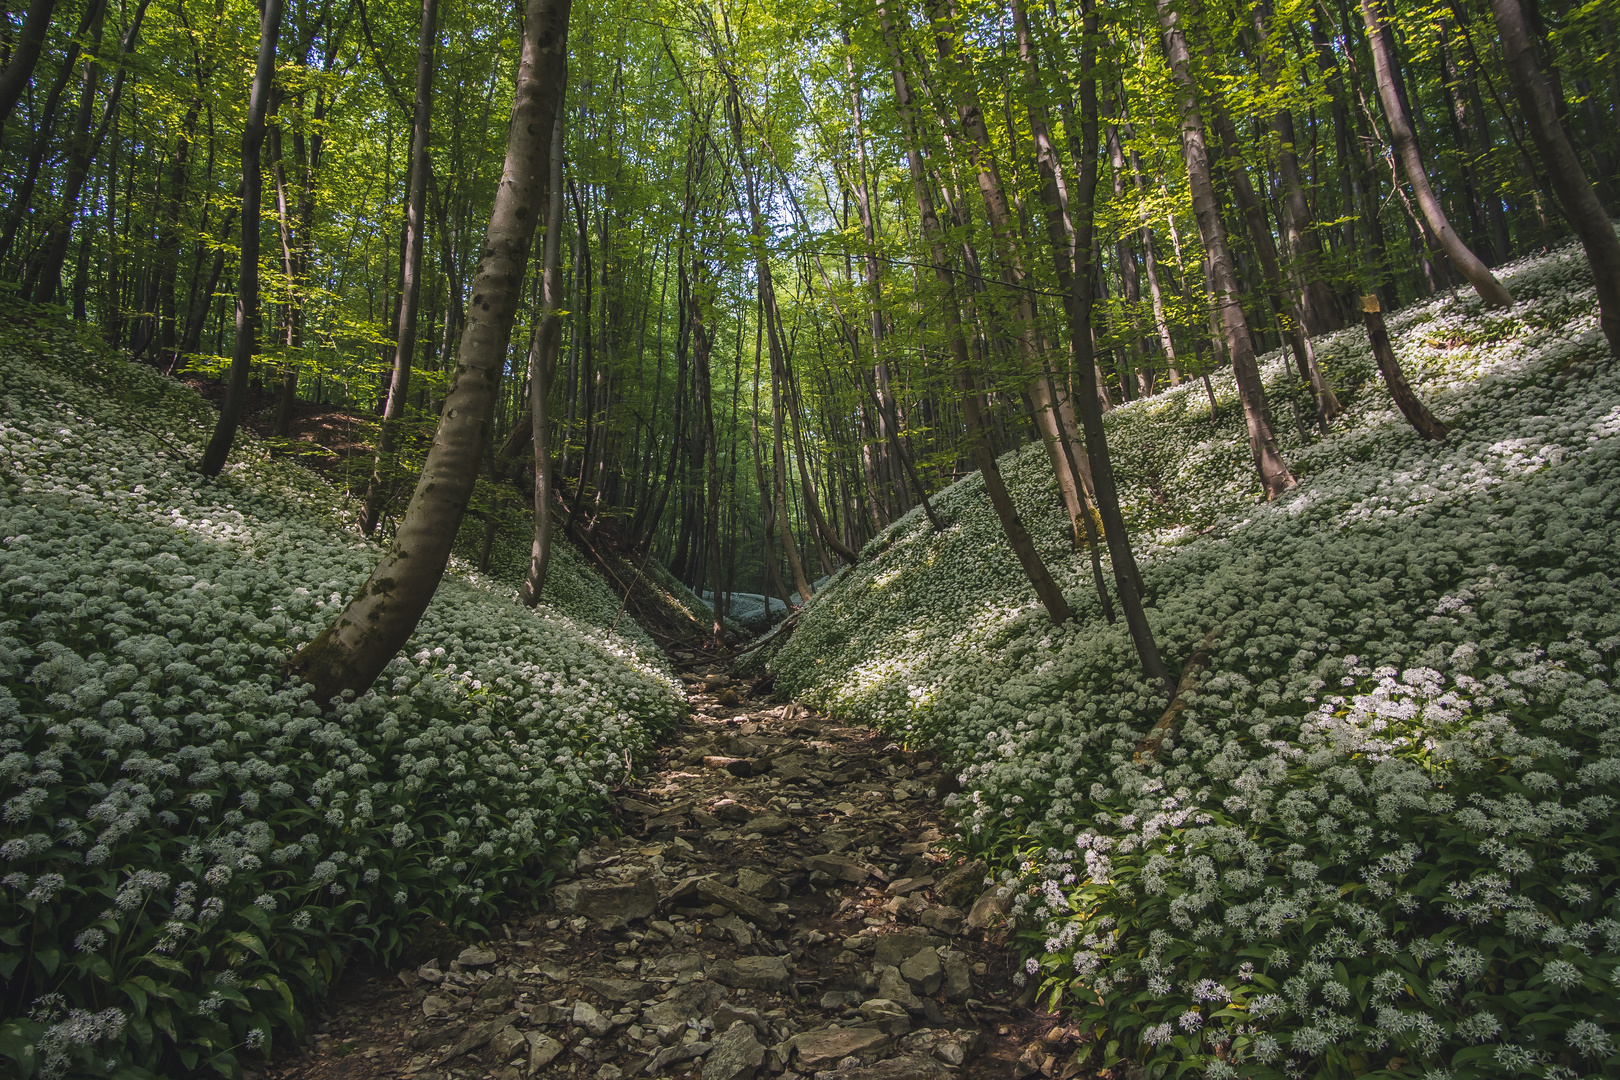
{"x":1166,"y":726}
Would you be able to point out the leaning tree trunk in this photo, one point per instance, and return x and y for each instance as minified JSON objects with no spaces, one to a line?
{"x":1581,"y":205}
{"x":1288,"y":314}
{"x":1381,"y":42}
{"x":1421,"y":419}
{"x":247,"y":282}
{"x":1318,"y":307}
{"x":25,"y":55}
{"x":1018,"y":538}
{"x":411,"y":273}
{"x":1073,"y":482}
{"x":1274,"y":475}
{"x":351,"y":652}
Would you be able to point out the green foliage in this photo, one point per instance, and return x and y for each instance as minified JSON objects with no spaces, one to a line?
{"x":193,"y":849}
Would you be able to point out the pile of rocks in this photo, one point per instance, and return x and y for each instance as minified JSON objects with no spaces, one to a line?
{"x":777,"y":904}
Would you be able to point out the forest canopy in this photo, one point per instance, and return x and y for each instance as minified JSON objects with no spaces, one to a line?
{"x":417,"y":380}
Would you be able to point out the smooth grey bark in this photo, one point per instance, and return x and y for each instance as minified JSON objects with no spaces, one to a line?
{"x":1581,"y":204}
{"x":1380,"y":41}
{"x":1049,"y":415}
{"x":24,"y":56}
{"x":1421,"y":419}
{"x":1285,"y":309}
{"x":23,"y":191}
{"x":247,"y":281}
{"x":410,"y":292}
{"x":1318,"y":307}
{"x":351,"y":652}
{"x":47,"y":275}
{"x":1275,"y":478}
{"x":1018,"y":538}
{"x":1070,"y":227}
{"x":544,"y":348}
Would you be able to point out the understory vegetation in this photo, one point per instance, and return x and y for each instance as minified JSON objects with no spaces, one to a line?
{"x":193,"y":847}
{"x":1381,"y":839}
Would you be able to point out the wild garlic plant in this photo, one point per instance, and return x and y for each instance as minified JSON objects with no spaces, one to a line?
{"x":1382,"y":837}
{"x":190,"y":847}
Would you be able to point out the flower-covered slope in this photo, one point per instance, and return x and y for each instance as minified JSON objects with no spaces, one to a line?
{"x":190,"y":844}
{"x":1383,"y":837}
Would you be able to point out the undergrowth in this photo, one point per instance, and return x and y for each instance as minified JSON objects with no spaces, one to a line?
{"x":192,"y":847}
{"x":1382,"y":840}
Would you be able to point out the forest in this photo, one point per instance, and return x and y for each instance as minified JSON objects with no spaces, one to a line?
{"x":1132,"y":490}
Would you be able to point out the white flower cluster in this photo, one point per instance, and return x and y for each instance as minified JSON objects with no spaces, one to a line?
{"x":169,"y":804}
{"x":1387,"y":809}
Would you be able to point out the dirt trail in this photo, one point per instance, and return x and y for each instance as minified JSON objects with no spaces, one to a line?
{"x":778,"y":905}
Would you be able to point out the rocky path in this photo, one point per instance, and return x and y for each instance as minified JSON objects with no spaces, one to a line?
{"x":778,"y":904}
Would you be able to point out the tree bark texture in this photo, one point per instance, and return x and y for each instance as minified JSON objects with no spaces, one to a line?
{"x":1423,"y":421}
{"x":1275,"y":477}
{"x":1018,"y":538}
{"x":411,"y":272}
{"x":543,"y":351}
{"x":1070,"y":211}
{"x":351,"y":652}
{"x":24,"y":56}
{"x":1381,"y":41}
{"x":247,"y":281}
{"x":1581,"y":205}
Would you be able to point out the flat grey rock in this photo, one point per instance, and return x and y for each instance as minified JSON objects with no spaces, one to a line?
{"x":827,"y":1046}
{"x":543,"y":1049}
{"x":751,"y":973}
{"x":611,"y":904}
{"x":474,"y":957}
{"x":895,"y":949}
{"x":617,"y":991}
{"x":683,"y":1004}
{"x":837,"y":867}
{"x":907,"y":1067}
{"x":758,"y":884}
{"x":749,"y":908}
{"x":923,"y":972}
{"x":736,"y":1055}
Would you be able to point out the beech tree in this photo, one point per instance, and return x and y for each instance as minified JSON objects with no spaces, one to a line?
{"x":358,"y":644}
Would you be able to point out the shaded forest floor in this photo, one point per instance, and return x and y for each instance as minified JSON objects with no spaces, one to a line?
{"x":776,"y":899}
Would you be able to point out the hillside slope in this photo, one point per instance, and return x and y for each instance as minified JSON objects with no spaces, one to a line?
{"x":1383,"y":837}
{"x":191,"y":847}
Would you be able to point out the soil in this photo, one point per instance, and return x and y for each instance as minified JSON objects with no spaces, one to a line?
{"x":777,"y":901}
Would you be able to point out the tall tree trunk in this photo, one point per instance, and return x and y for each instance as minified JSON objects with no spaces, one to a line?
{"x":1268,"y":462}
{"x":775,"y":339}
{"x":543,"y":351}
{"x":1318,"y":308}
{"x":1461,"y":126}
{"x":354,"y":649}
{"x":1581,"y":205}
{"x":1049,"y":415}
{"x":1284,"y":308}
{"x":23,"y":193}
{"x":779,"y":480}
{"x":1381,"y":40}
{"x":1018,"y":538}
{"x":1360,"y":142}
{"x":24,"y":56}
{"x":47,"y":275}
{"x":247,"y":282}
{"x":411,"y":279}
{"x":1070,"y":227}
{"x":192,"y":336}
